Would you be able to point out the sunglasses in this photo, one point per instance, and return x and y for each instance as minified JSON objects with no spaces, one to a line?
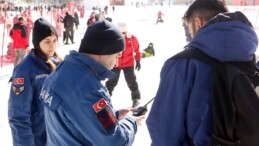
{"x":124,"y":32}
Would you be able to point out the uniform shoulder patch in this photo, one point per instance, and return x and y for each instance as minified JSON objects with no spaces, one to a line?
{"x":18,"y":90}
{"x":105,"y":115}
{"x":18,"y":85}
{"x":18,"y":81}
{"x":99,"y":105}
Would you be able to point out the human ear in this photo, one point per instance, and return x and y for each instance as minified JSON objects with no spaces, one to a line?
{"x":199,"y":22}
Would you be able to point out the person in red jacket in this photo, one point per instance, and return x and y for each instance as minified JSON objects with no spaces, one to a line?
{"x":159,"y":17}
{"x":82,"y":12}
{"x":126,"y":63}
{"x":20,"y":41}
{"x":91,"y":20}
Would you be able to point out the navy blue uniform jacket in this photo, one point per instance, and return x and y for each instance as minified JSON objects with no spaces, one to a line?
{"x":76,"y":105}
{"x":25,"y":110}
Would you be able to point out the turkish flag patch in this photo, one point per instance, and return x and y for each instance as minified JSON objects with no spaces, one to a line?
{"x":108,"y":119}
{"x":18,"y":81}
{"x":99,"y":105}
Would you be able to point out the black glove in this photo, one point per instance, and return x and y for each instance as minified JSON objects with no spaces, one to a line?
{"x":138,"y":66}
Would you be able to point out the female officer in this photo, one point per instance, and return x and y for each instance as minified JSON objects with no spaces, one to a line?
{"x":25,"y":111}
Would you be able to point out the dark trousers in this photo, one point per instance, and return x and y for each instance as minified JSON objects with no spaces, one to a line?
{"x":130,"y":78}
{"x":70,"y":34}
{"x":64,"y":36}
{"x":159,"y":19}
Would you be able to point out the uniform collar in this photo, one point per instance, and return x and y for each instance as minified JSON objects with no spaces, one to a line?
{"x":100,"y":71}
{"x":40,"y":61}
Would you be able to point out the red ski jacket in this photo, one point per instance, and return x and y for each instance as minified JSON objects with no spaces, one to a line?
{"x":18,"y":34}
{"x":130,"y":53}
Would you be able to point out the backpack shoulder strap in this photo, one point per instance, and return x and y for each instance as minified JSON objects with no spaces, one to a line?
{"x":248,"y":67}
{"x":196,"y":54}
{"x":234,"y":92}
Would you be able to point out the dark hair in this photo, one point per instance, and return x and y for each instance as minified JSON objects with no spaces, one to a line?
{"x":205,"y":9}
{"x":109,"y":19}
{"x":40,"y":55}
{"x":20,"y":19}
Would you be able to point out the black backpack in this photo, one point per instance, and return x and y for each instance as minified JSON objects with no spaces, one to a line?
{"x":235,"y":101}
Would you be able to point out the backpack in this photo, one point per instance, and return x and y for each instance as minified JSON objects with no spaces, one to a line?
{"x":235,"y":100}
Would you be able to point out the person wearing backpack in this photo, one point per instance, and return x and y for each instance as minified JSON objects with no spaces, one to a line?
{"x":181,"y":114}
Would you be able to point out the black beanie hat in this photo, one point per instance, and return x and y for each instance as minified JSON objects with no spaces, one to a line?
{"x":102,"y":38}
{"x":42,"y":29}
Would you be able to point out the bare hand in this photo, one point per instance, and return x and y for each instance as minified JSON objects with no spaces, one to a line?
{"x":123,"y":113}
{"x":129,"y":112}
{"x":139,"y":119}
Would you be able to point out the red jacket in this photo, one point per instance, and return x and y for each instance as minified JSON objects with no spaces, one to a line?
{"x":159,"y":14}
{"x":130,"y":53}
{"x":18,"y":34}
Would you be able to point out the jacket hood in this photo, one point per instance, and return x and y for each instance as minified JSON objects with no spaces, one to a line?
{"x":227,"y":37}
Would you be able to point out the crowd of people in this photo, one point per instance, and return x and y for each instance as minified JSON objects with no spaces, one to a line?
{"x":58,"y":101}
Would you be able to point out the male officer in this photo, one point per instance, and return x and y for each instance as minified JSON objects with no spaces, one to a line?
{"x":78,"y":110}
